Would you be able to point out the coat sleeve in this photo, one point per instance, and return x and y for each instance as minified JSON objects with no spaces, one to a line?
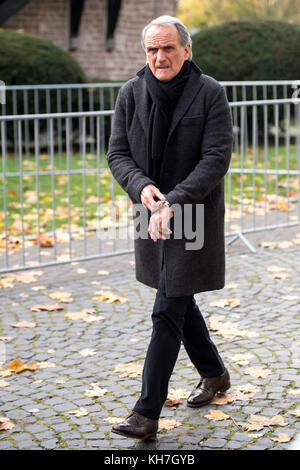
{"x":124,"y":169}
{"x":216,"y":149}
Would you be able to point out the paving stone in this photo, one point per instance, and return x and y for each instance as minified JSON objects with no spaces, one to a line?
{"x":214,"y":443}
{"x":49,"y":444}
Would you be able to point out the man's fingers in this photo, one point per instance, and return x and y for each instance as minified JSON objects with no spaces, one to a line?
{"x":158,"y":194}
{"x":148,"y":194}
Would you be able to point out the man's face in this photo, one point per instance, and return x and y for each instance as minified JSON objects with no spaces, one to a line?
{"x":164,"y":51}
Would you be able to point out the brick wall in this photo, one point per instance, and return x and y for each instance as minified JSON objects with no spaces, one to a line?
{"x":50,"y":19}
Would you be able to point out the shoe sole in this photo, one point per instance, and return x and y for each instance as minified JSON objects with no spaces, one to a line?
{"x":148,"y":437}
{"x":199,"y":405}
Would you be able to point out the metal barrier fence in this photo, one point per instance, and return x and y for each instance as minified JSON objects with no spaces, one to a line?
{"x":46,"y":99}
{"x":61,"y":204}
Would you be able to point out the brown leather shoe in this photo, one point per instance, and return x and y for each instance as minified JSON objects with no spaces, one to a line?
{"x":137,"y":427}
{"x":207,"y":388}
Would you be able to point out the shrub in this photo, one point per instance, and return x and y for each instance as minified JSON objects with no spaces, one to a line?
{"x":260,"y":50}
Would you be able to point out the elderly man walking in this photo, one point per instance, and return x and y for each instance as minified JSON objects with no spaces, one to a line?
{"x":171,"y":146}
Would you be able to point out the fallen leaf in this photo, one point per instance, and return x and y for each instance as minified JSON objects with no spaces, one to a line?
{"x":257,"y":422}
{"x":18,"y":366}
{"x":4,"y":373}
{"x":168,"y":423}
{"x":256,"y":435}
{"x":258,"y":372}
{"x":113,"y":420}
{"x":109,"y":297}
{"x":23,"y":324}
{"x":217,"y":415}
{"x":129,"y":369}
{"x":5,"y":424}
{"x":87,"y":352}
{"x":93,"y":318}
{"x":295,"y":391}
{"x":33,"y":410}
{"x":241,"y":359}
{"x":96,"y":391}
{"x":295,"y":413}
{"x":291,"y":297}
{"x":225,"y":303}
{"x":4,"y":383}
{"x":228,"y":329}
{"x":175,"y":395}
{"x":64,"y":297}
{"x":279,"y":276}
{"x":45,"y":364}
{"x":103,"y":273}
{"x":79,"y":412}
{"x":81,"y":315}
{"x":276,"y":269}
{"x":237,"y":393}
{"x":45,"y":241}
{"x":282,"y":438}
{"x":5,"y":338}
{"x":47,"y":307}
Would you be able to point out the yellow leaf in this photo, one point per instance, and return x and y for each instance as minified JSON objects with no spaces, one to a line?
{"x":258,"y":372}
{"x":129,"y":369}
{"x":296,"y":413}
{"x":48,"y":308}
{"x":5,"y":424}
{"x":217,"y":415}
{"x":282,"y":438}
{"x":18,"y":366}
{"x":257,"y":422}
{"x":4,"y":383}
{"x":295,"y":391}
{"x":168,"y":423}
{"x":45,"y":364}
{"x":113,"y":420}
{"x":225,"y":303}
{"x":23,"y":324}
{"x":87,"y":352}
{"x":79,"y":412}
{"x":96,"y":391}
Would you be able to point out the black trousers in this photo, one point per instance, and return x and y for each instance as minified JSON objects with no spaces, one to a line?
{"x":174,"y":319}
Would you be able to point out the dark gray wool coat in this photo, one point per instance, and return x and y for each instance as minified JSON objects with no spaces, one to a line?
{"x":196,"y":158}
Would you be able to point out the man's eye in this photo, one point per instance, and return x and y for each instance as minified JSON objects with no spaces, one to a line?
{"x":153,"y":50}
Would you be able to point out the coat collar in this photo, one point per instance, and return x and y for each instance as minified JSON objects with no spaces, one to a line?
{"x":143,"y":103}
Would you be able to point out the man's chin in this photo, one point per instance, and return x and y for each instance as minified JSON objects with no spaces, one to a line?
{"x":164,"y":75}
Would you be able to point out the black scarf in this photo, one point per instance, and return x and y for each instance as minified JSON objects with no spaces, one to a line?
{"x":164,"y":97}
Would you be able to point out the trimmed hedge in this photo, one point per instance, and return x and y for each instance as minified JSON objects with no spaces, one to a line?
{"x":260,"y":50}
{"x":30,"y":60}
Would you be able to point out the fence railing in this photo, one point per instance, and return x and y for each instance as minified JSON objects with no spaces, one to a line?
{"x":61,"y":204}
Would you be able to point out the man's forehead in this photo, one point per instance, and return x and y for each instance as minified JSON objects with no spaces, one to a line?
{"x":163,"y":34}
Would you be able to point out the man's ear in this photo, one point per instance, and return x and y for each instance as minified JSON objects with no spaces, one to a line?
{"x":187,"y":52}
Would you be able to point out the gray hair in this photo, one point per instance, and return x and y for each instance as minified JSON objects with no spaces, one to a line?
{"x":165,"y":20}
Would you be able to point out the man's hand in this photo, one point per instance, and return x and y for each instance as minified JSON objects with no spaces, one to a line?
{"x":147,"y":196}
{"x":158,"y":225}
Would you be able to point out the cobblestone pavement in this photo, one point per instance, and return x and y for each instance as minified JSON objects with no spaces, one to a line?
{"x":39,"y":402}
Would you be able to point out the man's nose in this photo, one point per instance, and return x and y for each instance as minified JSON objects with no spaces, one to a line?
{"x":160,"y":56}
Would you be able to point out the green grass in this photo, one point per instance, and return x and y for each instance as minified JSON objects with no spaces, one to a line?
{"x":95,"y":184}
{"x":103,"y":185}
